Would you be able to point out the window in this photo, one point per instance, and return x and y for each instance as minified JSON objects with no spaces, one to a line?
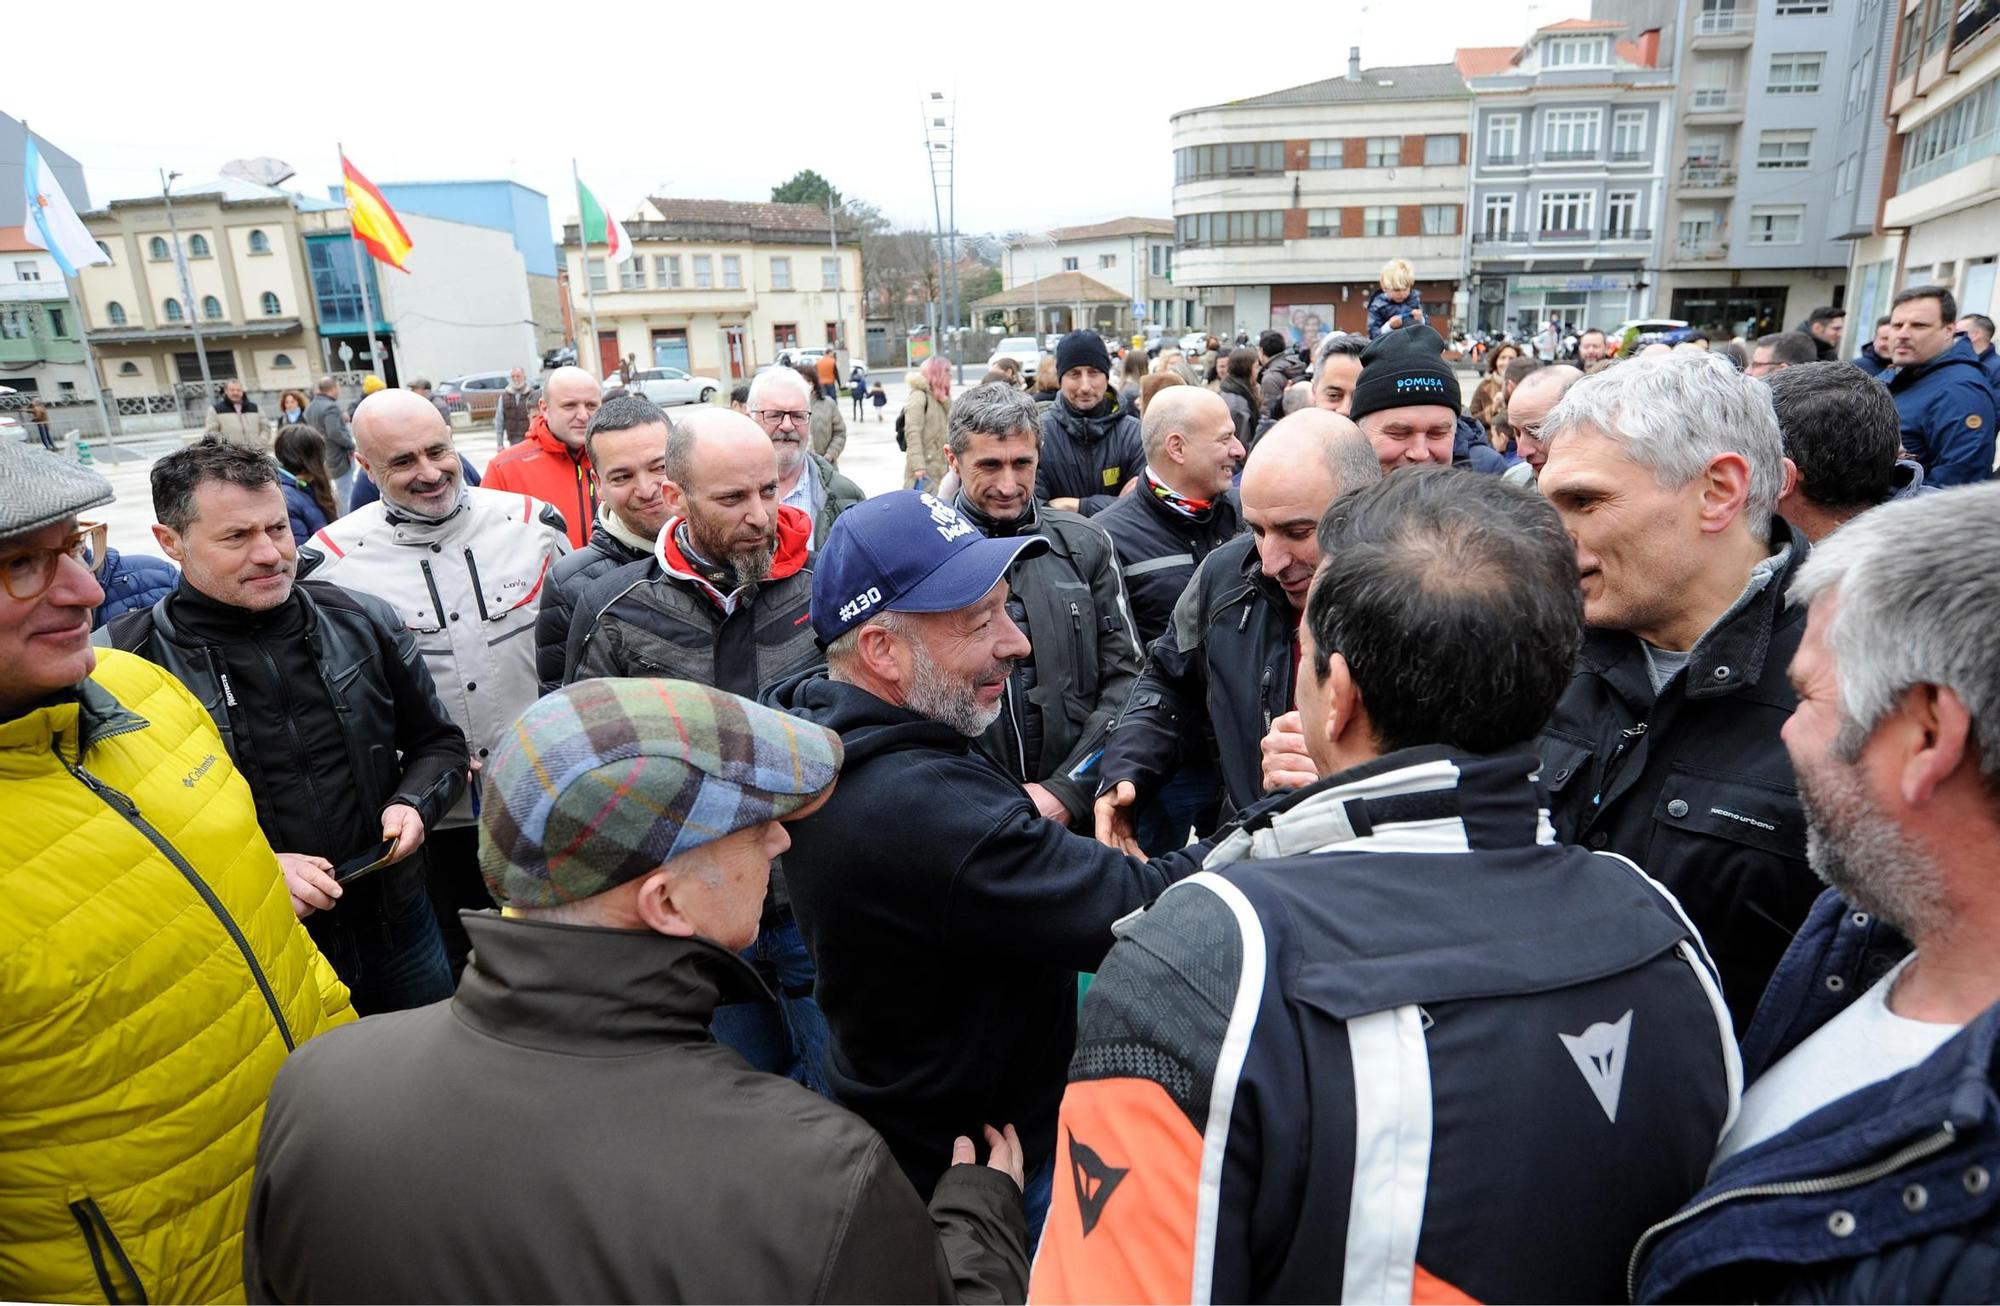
{"x":13,"y":324}
{"x":1621,"y":214}
{"x":171,"y":311}
{"x":269,"y":303}
{"x":1910,"y":44}
{"x":1713,"y":84}
{"x":1107,"y":260}
{"x":1567,"y":213}
{"x":704,"y":272}
{"x":1938,"y":21}
{"x":1628,"y":135}
{"x":1069,"y":265}
{"x":1704,"y":151}
{"x":1959,"y":134}
{"x":1441,"y":150}
{"x":281,"y":360}
{"x":156,"y":249}
{"x":1572,"y":52}
{"x":58,"y":325}
{"x":259,"y":242}
{"x":1327,"y":154}
{"x":666,"y":272}
{"x":1379,"y":220}
{"x":1856,"y":80}
{"x":197,"y":246}
{"x":1241,"y":159}
{"x":1253,"y":227}
{"x":1321,"y":223}
{"x":114,"y":313}
{"x":1776,"y":225}
{"x":1159,"y":261}
{"x":211,"y":308}
{"x":105,"y":250}
{"x":128,"y":369}
{"x":1503,"y":138}
{"x":732,"y":271}
{"x":594,"y":270}
{"x":1440,"y":219}
{"x":1496,"y":217}
{"x":27,"y":270}
{"x":829,"y":273}
{"x":632,"y":274}
{"x":1846,"y":174}
{"x":1794,"y":74}
{"x":1798,"y":8}
{"x":1385,"y":151}
{"x":1787,"y":149}
{"x":1718,"y":18}
{"x":781,"y":273}
{"x":1569,"y":133}
{"x":785,"y":334}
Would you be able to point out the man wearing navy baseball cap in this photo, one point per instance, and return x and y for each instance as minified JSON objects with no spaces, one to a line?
{"x":948,"y":919}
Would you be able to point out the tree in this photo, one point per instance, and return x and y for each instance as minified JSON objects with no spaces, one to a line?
{"x":806,"y":187}
{"x":975,"y":284}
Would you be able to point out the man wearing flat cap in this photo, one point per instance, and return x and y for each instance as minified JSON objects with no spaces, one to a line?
{"x":155,"y":976}
{"x":565,"y":1128}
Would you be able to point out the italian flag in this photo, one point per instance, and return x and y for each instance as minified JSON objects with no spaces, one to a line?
{"x":600,"y":228}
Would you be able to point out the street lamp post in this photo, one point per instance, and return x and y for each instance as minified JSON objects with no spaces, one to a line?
{"x":187,"y":287}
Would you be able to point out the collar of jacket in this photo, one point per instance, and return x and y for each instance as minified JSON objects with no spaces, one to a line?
{"x":1174,"y":503}
{"x":1958,"y":353}
{"x":1093,"y":425}
{"x":612,"y":528}
{"x":1730,"y":654}
{"x":1431,"y":799}
{"x":582,"y":991}
{"x":1028,"y":523}
{"x":550,"y":443}
{"x":794,"y":531}
{"x":409,"y":525}
{"x":73,"y":721}
{"x":1266,"y":588}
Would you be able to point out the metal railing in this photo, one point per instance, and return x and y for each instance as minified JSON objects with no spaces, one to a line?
{"x":1707,"y":176}
{"x":1711,"y":99}
{"x":1701,"y":249}
{"x":1628,"y":233}
{"x":1499,"y":237}
{"x":1723,"y":22}
{"x":1563,"y":233}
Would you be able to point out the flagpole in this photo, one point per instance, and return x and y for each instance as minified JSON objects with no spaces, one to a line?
{"x":89,"y":355}
{"x":589,"y":292}
{"x":360,"y":273}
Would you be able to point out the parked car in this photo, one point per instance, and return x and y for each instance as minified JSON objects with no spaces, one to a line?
{"x":1022,"y":350}
{"x":477,"y":393}
{"x":1652,"y":330}
{"x":670,"y":385}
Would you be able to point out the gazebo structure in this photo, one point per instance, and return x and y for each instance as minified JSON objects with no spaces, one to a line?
{"x":1063,"y":301}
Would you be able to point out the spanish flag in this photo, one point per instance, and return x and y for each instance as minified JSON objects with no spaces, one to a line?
{"x":376,"y":225}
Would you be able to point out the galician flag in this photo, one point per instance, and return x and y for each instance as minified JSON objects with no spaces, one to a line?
{"x":600,"y":228}
{"x":51,"y":219}
{"x":376,"y":225}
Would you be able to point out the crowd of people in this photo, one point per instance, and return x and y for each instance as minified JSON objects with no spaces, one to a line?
{"x":1248,"y":827}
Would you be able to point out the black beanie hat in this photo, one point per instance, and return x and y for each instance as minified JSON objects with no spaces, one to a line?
{"x":1082,"y":349}
{"x":1405,"y":369}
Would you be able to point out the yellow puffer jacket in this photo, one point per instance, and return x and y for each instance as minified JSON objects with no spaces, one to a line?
{"x":152,"y":976}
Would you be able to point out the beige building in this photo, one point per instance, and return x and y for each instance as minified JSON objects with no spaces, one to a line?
{"x":718,"y":287}
{"x":251,"y":292}
{"x":1133,"y":256}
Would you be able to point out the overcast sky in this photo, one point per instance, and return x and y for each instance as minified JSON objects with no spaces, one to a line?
{"x":1061,"y":117}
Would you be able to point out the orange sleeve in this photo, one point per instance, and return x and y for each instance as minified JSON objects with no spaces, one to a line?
{"x":1121,"y":1225}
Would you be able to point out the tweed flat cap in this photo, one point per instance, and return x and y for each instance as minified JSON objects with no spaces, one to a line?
{"x":605,"y":780}
{"x":38,"y":488}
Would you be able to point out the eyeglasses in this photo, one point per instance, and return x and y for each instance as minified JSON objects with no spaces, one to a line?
{"x":777,"y":416}
{"x":27,"y":573}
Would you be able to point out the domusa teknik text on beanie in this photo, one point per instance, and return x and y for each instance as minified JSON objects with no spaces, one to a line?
{"x":1405,"y":369}
{"x":608,"y":779}
{"x":1082,"y":349}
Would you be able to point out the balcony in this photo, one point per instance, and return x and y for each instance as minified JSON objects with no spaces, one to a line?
{"x":1627,"y":233}
{"x":1562,"y":233}
{"x":1723,"y":29}
{"x":1569,"y":156}
{"x":1629,"y":156}
{"x":1707,"y":176}
{"x":1713,"y":106}
{"x":1701,"y":250}
{"x":1499,"y":237}
{"x":1978,"y":23}
{"x":1513,"y":160}
{"x":1979,"y":147}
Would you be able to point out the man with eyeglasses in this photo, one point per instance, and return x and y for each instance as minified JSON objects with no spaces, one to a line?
{"x":156,"y":977}
{"x":1537,"y":393}
{"x":783,"y":404}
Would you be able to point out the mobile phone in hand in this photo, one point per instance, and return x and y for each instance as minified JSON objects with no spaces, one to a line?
{"x":372,"y":858}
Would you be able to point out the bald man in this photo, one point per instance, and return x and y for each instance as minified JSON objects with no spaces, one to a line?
{"x":552,"y":463}
{"x":725,"y":600}
{"x":1533,"y":398}
{"x":1224,"y":667}
{"x":464,"y":568}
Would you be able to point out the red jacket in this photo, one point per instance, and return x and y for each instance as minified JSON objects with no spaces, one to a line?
{"x":545,"y":468}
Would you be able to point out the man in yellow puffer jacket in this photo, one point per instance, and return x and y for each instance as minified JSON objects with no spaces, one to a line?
{"x":152,"y":975}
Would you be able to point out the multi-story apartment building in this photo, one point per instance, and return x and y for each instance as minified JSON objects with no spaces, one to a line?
{"x":1134,"y":256}
{"x":41,"y":339}
{"x":1754,"y":237}
{"x":719,"y":286}
{"x":1861,"y":147}
{"x":251,"y":292}
{"x":1570,"y":137}
{"x":1287,"y":205}
{"x":1940,"y":197}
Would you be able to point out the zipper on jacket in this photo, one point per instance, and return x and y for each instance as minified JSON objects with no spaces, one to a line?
{"x":478,"y":594}
{"x":430,"y":583}
{"x":1020,"y":741}
{"x":97,"y":1236}
{"x":1625,"y":742}
{"x":1264,"y":695}
{"x":126,"y":808}
{"x":292,"y":725}
{"x":1928,"y":1146}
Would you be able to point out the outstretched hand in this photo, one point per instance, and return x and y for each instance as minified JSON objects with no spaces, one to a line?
{"x":1003,"y":1153}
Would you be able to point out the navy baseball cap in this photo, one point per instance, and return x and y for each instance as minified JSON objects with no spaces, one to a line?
{"x":906,"y":552}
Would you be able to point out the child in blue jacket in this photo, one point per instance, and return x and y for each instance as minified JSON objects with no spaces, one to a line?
{"x":1397,"y":304}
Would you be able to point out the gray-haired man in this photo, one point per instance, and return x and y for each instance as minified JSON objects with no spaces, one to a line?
{"x":1070,"y":599}
{"x":783,"y":403}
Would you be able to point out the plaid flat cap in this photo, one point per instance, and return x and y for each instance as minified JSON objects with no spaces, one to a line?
{"x":39,"y":489}
{"x":606,"y":780}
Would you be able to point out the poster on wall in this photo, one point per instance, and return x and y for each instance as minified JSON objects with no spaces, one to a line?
{"x":1302,"y":325}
